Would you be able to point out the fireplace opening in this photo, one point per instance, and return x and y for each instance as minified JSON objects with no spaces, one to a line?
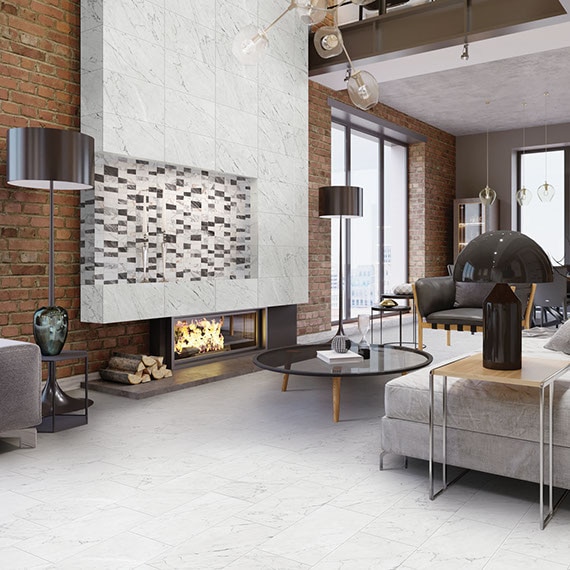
{"x":195,"y":337}
{"x":188,"y":340}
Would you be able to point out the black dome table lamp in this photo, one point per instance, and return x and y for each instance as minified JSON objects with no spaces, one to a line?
{"x":502,"y":257}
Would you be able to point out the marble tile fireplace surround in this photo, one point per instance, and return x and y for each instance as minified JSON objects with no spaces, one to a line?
{"x":200,"y":205}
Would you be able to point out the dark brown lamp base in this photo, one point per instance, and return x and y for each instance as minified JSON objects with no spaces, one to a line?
{"x":502,"y":323}
{"x":63,"y":403}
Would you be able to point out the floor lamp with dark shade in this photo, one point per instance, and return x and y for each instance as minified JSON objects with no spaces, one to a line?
{"x":51,"y":159}
{"x":340,"y":202}
{"x":502,"y":257}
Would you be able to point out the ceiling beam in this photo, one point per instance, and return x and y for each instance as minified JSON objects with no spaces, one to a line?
{"x":434,"y":26}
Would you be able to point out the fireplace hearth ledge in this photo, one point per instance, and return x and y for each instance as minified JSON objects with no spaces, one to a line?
{"x":221,"y":369}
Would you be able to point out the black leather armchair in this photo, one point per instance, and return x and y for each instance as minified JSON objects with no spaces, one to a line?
{"x":443,"y":303}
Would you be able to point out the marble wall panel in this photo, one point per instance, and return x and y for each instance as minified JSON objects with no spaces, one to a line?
{"x":171,"y":92}
{"x":236,"y":92}
{"x":281,"y":198}
{"x":140,"y":18}
{"x":122,"y":54}
{"x":189,"y":298}
{"x":288,"y":290}
{"x":91,"y":14}
{"x":124,"y":302}
{"x":184,"y":147}
{"x":132,"y":98}
{"x":280,"y":261}
{"x":236,"y":126}
{"x":236,"y":294}
{"x":131,"y":137}
{"x":203,"y":12}
{"x":186,"y":37}
{"x":92,"y":92}
{"x":188,"y":113}
{"x":189,"y":76}
{"x":232,"y":157}
{"x":282,"y":230}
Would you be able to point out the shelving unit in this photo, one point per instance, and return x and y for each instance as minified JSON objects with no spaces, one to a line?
{"x":470,"y":220}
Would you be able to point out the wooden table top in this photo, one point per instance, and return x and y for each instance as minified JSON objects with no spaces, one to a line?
{"x":534,"y":372}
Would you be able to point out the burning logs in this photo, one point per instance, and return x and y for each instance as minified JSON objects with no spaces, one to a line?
{"x":135,"y":368}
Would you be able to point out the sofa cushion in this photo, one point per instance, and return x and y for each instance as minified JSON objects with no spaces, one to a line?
{"x":483,"y":407}
{"x":561,"y":339}
{"x":467,"y":317}
{"x":471,"y":295}
{"x":20,"y":380}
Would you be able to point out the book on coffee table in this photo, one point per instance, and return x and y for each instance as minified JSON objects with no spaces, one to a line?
{"x":332,"y":357}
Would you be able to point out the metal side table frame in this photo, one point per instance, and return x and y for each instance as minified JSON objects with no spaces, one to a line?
{"x":500,"y":376}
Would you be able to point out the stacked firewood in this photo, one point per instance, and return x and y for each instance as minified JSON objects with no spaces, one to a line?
{"x":135,"y":368}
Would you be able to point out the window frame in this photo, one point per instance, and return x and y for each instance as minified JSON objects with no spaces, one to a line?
{"x":349,"y":127}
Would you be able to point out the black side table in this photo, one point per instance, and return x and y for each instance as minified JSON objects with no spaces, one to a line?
{"x":399,"y":309}
{"x":59,"y":409}
{"x":409,"y":297}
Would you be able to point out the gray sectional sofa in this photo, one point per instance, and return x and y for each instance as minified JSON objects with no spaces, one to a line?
{"x":20,"y":391}
{"x":491,"y":427}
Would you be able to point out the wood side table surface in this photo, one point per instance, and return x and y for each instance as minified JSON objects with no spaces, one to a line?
{"x":534,"y":372}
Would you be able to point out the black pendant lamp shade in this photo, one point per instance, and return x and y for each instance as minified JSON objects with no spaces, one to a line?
{"x":502,"y":257}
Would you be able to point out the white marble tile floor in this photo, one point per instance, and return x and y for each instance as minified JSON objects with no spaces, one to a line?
{"x":237,"y":474}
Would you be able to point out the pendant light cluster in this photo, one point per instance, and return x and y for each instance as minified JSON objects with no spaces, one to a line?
{"x":251,"y":43}
{"x":546,"y":191}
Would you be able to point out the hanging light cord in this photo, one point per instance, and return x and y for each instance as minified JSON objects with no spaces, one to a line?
{"x":524,"y":143}
{"x":545,"y":139}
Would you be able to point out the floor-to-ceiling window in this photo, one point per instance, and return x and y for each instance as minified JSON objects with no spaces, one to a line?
{"x":375,"y":246}
{"x":545,"y":222}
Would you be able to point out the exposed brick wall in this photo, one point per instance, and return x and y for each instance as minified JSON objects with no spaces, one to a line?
{"x":39,"y":86}
{"x":431,"y":187}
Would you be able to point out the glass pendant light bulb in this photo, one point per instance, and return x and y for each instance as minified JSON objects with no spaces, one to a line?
{"x":487,"y":196}
{"x":311,"y":11}
{"x":328,"y":41}
{"x":249,"y":45}
{"x":363,"y":89}
{"x":524,"y":196}
{"x":546,"y":192}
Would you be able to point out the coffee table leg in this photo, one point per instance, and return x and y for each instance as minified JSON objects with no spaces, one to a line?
{"x":285,"y":382}
{"x":336,"y":398}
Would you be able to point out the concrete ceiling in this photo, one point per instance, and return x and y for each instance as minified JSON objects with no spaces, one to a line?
{"x":456,"y":100}
{"x":439,"y":88}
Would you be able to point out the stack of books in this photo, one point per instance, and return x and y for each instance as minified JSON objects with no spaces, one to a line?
{"x":332,"y":357}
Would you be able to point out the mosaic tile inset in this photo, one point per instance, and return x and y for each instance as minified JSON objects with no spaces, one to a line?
{"x":193,"y":224}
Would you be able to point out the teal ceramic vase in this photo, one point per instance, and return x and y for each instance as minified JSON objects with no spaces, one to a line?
{"x":50,"y":329}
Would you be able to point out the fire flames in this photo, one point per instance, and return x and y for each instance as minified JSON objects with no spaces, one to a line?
{"x":198,"y":336}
